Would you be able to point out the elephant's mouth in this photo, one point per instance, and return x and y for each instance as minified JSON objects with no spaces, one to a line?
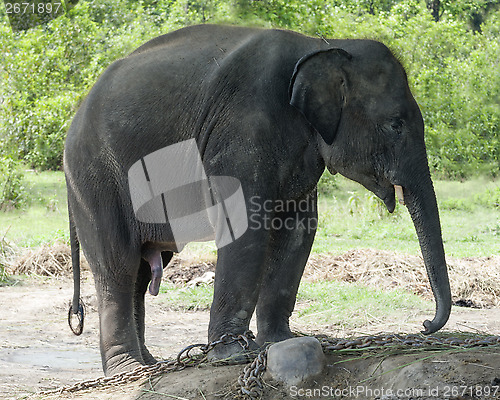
{"x":393,"y":193}
{"x":386,"y":193}
{"x":390,"y":201}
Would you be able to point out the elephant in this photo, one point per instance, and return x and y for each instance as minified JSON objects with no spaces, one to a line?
{"x":269,"y":109}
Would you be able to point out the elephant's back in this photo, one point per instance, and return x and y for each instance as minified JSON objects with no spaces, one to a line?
{"x":198,"y":37}
{"x":166,"y":90}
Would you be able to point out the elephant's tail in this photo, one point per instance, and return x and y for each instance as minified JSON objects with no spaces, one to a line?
{"x":76,"y":307}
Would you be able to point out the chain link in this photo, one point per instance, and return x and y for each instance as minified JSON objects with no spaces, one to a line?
{"x":330,"y":344}
{"x":250,"y":380}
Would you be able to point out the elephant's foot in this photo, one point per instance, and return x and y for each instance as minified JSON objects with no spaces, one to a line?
{"x":233,"y":353}
{"x":147,"y":357}
{"x":126,"y":365}
{"x":120,"y":363}
{"x":274,"y":337}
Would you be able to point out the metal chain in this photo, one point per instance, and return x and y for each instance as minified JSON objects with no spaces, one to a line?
{"x":184,"y":359}
{"x":251,"y":378}
{"x":406,"y":340}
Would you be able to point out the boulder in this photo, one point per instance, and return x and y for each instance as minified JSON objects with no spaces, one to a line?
{"x":295,"y":360}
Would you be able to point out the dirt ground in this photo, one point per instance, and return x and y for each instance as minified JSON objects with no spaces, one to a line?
{"x":39,"y":352}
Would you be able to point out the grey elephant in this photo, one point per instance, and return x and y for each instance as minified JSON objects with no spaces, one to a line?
{"x":269,"y":109}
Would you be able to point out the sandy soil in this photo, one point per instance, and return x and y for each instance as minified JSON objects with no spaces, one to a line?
{"x":38,"y":351}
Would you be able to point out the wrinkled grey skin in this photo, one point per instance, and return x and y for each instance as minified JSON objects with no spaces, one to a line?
{"x":271,"y":108}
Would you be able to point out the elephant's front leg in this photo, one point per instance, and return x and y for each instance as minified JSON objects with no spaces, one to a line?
{"x":237,"y":282}
{"x":287,"y":257}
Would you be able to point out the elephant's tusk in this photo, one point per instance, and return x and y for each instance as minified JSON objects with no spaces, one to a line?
{"x":399,"y":194}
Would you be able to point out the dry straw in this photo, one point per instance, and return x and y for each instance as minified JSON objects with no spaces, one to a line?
{"x":49,"y":260}
{"x":473,"y":279}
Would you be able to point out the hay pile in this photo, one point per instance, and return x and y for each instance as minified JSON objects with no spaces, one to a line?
{"x":373,"y":268}
{"x":48,"y":260}
{"x":475,"y":279}
{"x":8,"y":252}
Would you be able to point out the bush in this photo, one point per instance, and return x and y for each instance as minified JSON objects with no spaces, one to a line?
{"x":12,"y":187}
{"x":327,"y":184}
{"x":490,"y":198}
{"x":452,"y":64}
{"x":42,"y":89}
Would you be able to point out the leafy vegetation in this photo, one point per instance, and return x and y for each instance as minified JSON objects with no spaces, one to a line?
{"x":450,"y":49}
{"x":12,"y":190}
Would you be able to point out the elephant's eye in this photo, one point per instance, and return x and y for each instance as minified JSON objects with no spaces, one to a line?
{"x":397,"y":126}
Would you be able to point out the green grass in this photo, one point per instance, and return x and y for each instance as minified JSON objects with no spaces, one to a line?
{"x":45,"y":219}
{"x":350,"y":217}
{"x":334,"y":303}
{"x":186,"y":298}
{"x":4,"y":276}
{"x":351,"y":305}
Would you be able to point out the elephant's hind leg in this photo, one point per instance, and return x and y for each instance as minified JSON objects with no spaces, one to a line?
{"x":120,"y":350}
{"x":143,"y":279}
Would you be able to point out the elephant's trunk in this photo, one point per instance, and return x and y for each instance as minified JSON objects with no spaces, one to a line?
{"x":421,"y":202}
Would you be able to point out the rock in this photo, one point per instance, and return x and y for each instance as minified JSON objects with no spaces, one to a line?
{"x":295,"y":360}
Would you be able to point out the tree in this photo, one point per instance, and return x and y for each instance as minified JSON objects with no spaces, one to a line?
{"x":435,"y":7}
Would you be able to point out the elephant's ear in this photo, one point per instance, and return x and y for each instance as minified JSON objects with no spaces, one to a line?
{"x":317,"y":89}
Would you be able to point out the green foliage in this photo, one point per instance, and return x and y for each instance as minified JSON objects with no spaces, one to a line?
{"x":327,"y":184}
{"x":452,"y":64}
{"x":12,"y":186}
{"x":42,"y":89}
{"x":490,"y":198}
{"x":4,"y":276}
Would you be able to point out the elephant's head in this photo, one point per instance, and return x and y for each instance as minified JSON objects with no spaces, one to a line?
{"x":370,"y":129}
